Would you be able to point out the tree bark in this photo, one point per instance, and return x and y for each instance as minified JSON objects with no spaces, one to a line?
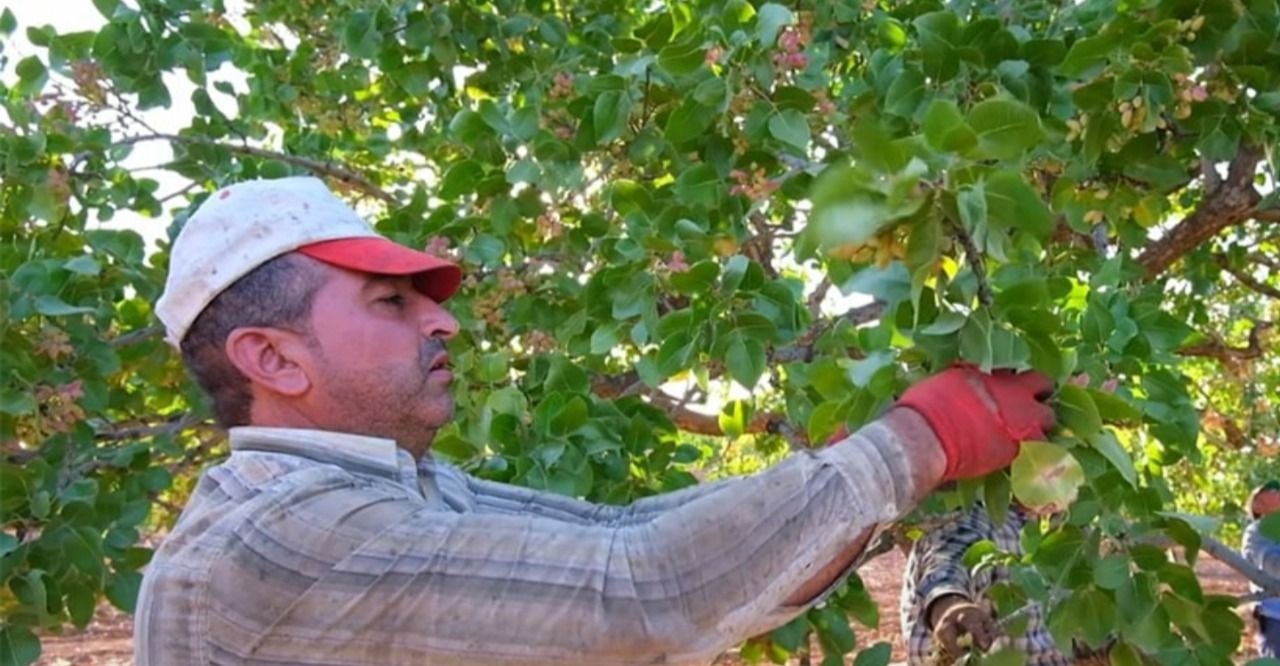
{"x":1231,"y":202}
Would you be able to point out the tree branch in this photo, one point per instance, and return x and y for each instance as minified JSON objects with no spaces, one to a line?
{"x":340,"y":173}
{"x":1227,"y":354}
{"x":1244,"y":278}
{"x":1234,"y":201}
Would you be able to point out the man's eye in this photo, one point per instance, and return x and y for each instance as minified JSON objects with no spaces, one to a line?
{"x":394,"y":299}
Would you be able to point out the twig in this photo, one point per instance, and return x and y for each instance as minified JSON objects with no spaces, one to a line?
{"x":816,"y":298}
{"x":1209,"y":171}
{"x":1244,"y":278}
{"x":137,"y":335}
{"x":173,"y":425}
{"x":168,"y":197}
{"x":352,"y":178}
{"x":975,"y":263}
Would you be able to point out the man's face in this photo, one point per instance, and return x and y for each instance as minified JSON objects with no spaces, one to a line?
{"x":378,"y":361}
{"x":1266,"y":503}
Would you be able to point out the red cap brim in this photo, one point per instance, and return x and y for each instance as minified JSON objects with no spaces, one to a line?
{"x":439,"y":278}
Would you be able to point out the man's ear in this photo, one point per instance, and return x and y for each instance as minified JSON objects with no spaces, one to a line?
{"x":271,"y":359}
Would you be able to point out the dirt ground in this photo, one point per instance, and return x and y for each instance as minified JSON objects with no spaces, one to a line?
{"x":108,"y":641}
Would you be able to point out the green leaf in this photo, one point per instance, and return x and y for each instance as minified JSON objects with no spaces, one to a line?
{"x":32,"y":75}
{"x":122,"y":591}
{"x":1111,"y":572}
{"x":699,"y":186}
{"x":1106,"y":443}
{"x":939,"y":39}
{"x":770,"y":19}
{"x":992,"y":346}
{"x":18,"y":646}
{"x":1085,"y":56}
{"x":1045,"y":476}
{"x":1125,"y":654}
{"x":1008,"y":656}
{"x":1114,"y":409}
{"x":699,"y":278}
{"x":946,"y":129}
{"x":81,"y":600}
{"x":52,"y":306}
{"x":610,"y":115}
{"x":790,"y":127}
{"x":682,"y":58}
{"x":415,"y":78}
{"x":1006,"y":128}
{"x":688,"y":122}
{"x":1077,"y":412}
{"x":1011,"y":202}
{"x":745,"y":359}
{"x":360,"y":35}
{"x":468,"y":126}
{"x":15,"y":402}
{"x":8,"y":23}
{"x":876,"y":655}
{"x":850,"y":205}
{"x":460,"y":179}
{"x":734,"y":418}
{"x":905,"y":94}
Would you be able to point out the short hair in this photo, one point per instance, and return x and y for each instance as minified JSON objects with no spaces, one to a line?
{"x":277,"y":294}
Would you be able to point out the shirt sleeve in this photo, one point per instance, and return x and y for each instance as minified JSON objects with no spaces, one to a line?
{"x":364,"y":579}
{"x":937,"y":561}
{"x":465,"y":492}
{"x":1263,"y":552}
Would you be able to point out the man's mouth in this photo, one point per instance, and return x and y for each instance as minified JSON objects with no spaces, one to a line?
{"x":440,"y":362}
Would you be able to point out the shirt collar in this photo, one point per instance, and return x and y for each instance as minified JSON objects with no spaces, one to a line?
{"x":355,"y":453}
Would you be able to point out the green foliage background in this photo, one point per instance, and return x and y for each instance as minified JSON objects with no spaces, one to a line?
{"x":641,"y":192}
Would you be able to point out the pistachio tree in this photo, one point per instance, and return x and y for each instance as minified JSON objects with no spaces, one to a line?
{"x":661,"y":205}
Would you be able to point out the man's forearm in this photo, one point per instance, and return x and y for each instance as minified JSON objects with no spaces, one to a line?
{"x":927,"y":463}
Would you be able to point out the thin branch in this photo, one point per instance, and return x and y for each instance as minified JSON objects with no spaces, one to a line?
{"x":173,"y":425}
{"x":975,"y":263}
{"x":137,"y":335}
{"x":1227,"y":354}
{"x":816,"y":298}
{"x":1259,"y":258}
{"x":343,"y":174}
{"x":174,"y":195}
{"x":1244,"y":278}
{"x":1209,"y":171}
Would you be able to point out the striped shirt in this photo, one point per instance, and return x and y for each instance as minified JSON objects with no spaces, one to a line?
{"x":936,"y":569}
{"x":310,"y":547}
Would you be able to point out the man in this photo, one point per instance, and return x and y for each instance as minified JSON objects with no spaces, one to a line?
{"x":1264,"y":554}
{"x":331,"y":536}
{"x":942,"y":602}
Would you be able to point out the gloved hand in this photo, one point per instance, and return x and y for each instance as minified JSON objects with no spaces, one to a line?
{"x":980,"y":418}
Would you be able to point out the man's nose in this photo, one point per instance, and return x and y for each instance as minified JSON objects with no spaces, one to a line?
{"x":436,"y":321}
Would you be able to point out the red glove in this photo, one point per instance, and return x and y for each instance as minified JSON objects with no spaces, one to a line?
{"x":981,"y":418}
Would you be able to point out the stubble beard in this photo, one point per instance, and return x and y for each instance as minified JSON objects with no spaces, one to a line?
{"x":397,"y":402}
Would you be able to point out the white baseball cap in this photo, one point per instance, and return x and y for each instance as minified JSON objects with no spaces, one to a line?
{"x":241,"y":227}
